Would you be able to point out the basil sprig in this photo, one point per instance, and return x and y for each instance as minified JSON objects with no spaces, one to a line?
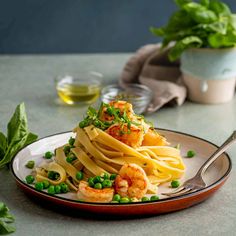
{"x":17,"y":137}
{"x":5,"y":220}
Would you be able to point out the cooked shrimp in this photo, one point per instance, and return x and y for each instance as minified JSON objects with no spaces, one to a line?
{"x":132,"y":136}
{"x":132,"y":181}
{"x":152,"y":138}
{"x":89,"y":194}
{"x":122,"y":106}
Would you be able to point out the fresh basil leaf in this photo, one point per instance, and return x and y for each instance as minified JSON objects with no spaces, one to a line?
{"x":233,"y":21}
{"x":18,"y":135}
{"x":17,"y":127}
{"x":157,"y":31}
{"x":219,"y":40}
{"x":3,"y":145}
{"x":181,"y":3}
{"x":5,"y":219}
{"x":219,"y":8}
{"x":30,"y":139}
{"x":205,"y":3}
{"x":180,"y":46}
{"x":6,"y":228}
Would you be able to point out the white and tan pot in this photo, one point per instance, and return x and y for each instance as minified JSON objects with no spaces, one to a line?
{"x":209,"y":74}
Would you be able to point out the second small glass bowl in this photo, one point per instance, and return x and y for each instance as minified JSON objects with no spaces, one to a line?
{"x":138,"y":95}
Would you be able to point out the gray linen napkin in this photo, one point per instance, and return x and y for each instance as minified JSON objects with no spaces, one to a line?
{"x":150,"y":66}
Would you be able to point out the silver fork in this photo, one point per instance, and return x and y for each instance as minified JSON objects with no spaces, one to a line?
{"x":197,"y":181}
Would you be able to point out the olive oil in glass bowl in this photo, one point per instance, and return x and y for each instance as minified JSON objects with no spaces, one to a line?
{"x":75,"y":90}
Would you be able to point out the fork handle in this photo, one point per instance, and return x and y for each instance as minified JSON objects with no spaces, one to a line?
{"x":217,"y":153}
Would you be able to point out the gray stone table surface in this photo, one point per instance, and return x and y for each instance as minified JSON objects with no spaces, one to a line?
{"x":31,"y":79}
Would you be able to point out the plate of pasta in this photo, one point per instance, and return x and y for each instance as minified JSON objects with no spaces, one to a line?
{"x":116,"y":162}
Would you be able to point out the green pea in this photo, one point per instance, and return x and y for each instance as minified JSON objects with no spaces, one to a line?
{"x":124,"y":200}
{"x":191,"y":153}
{"x":79,"y":175}
{"x":116,"y":197}
{"x":70,"y":159}
{"x":30,"y":164}
{"x":46,"y":184}
{"x":71,"y":141}
{"x":48,"y":155}
{"x":145,"y":199}
{"x":105,"y":176}
{"x":175,"y":183}
{"x":29,"y":179}
{"x":51,"y":190}
{"x":113,"y":176}
{"x":98,"y":186}
{"x":66,"y":149}
{"x":39,"y":186}
{"x":57,"y":189}
{"x":64,"y":188}
{"x":91,"y":182}
{"x":97,"y":179}
{"x":107,"y":183}
{"x":154,"y":198}
{"x":53,"y":175}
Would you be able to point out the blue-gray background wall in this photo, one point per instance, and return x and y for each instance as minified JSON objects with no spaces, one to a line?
{"x":81,"y":26}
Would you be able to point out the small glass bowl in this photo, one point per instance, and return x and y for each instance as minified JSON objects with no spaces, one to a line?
{"x":138,"y":95}
{"x":83,"y":89}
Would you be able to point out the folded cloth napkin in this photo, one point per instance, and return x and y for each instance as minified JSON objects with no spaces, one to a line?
{"x":150,"y":66}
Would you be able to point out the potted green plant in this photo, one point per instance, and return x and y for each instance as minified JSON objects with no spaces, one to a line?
{"x":204,"y":38}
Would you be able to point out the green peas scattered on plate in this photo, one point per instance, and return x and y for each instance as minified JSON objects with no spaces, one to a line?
{"x":71,"y":141}
{"x":105,"y":176}
{"x":124,"y":200}
{"x":154,"y":198}
{"x":48,"y":155}
{"x":91,"y":182}
{"x":107,"y":183}
{"x":57,"y":189}
{"x":116,"y":197}
{"x":64,"y":188}
{"x":53,"y":175}
{"x":145,"y":199}
{"x":29,"y":179}
{"x":39,"y":186}
{"x":98,"y":186}
{"x":175,"y":183}
{"x":66,"y":149}
{"x":70,"y":159}
{"x":191,"y":153}
{"x":97,"y":179}
{"x":79,"y":175}
{"x":51,"y":190}
{"x":46,"y":184}
{"x":30,"y":164}
{"x":113,"y":176}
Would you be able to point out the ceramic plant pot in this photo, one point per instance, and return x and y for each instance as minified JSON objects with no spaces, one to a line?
{"x":209,"y":74}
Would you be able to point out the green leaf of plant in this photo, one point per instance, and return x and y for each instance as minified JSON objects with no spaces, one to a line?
{"x":3,"y":145}
{"x":17,"y":126}
{"x":5,"y":219}
{"x":6,"y":228}
{"x":180,"y":46}
{"x":157,"y":31}
{"x":18,"y":135}
{"x":233,"y":21}
{"x":219,"y":8}
{"x":181,"y":3}
{"x":31,"y":137}
{"x":205,"y":3}
{"x":219,"y":40}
